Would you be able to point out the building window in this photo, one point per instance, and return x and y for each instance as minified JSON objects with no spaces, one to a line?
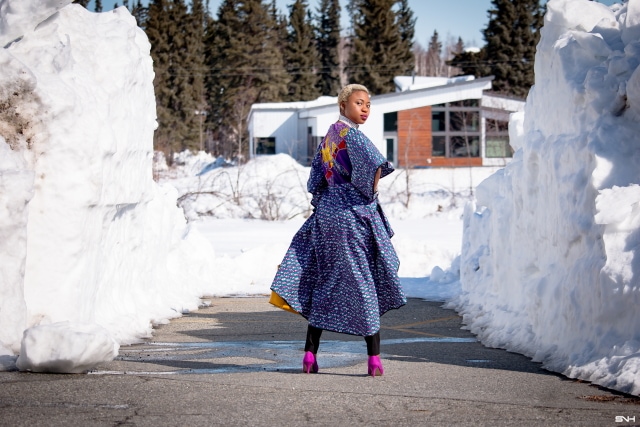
{"x":497,"y":139}
{"x":391,"y":122}
{"x":466,"y":103}
{"x":438,"y":123}
{"x":468,"y":121}
{"x":498,"y":147}
{"x":455,"y":129}
{"x":265,"y":145}
{"x":464,"y":146}
{"x":439,"y":146}
{"x":391,"y":149}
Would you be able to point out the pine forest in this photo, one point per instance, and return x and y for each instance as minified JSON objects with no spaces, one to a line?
{"x":212,"y":66}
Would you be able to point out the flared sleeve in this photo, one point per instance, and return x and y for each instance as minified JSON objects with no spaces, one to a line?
{"x":317,"y":182}
{"x":366,"y":159}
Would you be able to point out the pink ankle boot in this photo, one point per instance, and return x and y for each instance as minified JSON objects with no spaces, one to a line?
{"x":375,"y":364}
{"x":309,"y":363}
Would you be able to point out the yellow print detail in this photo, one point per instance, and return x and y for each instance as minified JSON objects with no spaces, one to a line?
{"x":344,"y":131}
{"x":327,"y":153}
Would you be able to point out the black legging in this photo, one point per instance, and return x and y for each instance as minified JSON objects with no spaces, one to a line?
{"x":313,"y":341}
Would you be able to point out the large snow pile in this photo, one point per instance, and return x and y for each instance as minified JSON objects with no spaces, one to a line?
{"x":92,"y":250}
{"x":550,"y":264}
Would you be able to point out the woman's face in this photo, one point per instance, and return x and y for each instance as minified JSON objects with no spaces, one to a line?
{"x":356,"y":108}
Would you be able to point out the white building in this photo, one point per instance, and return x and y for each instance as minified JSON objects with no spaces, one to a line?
{"x":428,"y":121}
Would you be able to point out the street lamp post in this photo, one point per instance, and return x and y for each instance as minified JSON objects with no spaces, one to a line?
{"x":201,"y":113}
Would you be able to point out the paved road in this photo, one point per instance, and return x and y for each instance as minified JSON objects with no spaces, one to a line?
{"x":238,"y":363}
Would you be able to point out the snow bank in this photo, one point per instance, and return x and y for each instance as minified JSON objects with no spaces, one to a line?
{"x":16,"y":190}
{"x":13,"y":13}
{"x":78,"y":348}
{"x":275,"y":188}
{"x":270,"y":188}
{"x":91,"y":248}
{"x":550,"y":263}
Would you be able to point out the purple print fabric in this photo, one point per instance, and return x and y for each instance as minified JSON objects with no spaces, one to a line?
{"x":341,"y":270}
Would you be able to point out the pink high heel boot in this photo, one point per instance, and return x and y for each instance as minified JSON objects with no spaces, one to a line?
{"x":309,"y":363}
{"x":375,"y":365}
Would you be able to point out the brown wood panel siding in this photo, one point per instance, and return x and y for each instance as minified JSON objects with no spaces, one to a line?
{"x":455,"y":161}
{"x":414,"y":137}
{"x":414,"y":142}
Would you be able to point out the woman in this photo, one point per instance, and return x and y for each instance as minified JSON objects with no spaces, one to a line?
{"x":341,"y":270}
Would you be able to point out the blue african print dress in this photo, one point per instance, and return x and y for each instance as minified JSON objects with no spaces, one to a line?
{"x":341,"y":270}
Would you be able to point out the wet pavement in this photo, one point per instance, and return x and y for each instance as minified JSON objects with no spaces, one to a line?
{"x":238,"y":362}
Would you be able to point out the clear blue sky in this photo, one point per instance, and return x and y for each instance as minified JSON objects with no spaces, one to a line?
{"x":451,"y":18}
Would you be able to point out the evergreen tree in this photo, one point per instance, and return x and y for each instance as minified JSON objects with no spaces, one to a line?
{"x":280,"y":26}
{"x":300,"y":55}
{"x":380,"y":48}
{"x":172,"y":33}
{"x":98,"y":7}
{"x":406,"y":26}
{"x":82,"y":3}
{"x":245,"y":67}
{"x":471,"y":63}
{"x":141,"y":13}
{"x":459,"y":48}
{"x":157,"y":22}
{"x":180,"y":112}
{"x":195,"y":65}
{"x":434,"y":56}
{"x":328,"y":42}
{"x":511,"y":36}
{"x":212,"y":57}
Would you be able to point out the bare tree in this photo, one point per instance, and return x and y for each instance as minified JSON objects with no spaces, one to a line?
{"x":434,"y":61}
{"x":408,"y":165}
{"x":465,"y":145}
{"x":420,"y":58}
{"x":452,"y":48}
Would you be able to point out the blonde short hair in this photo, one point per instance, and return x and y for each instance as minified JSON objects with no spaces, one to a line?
{"x":346,"y":92}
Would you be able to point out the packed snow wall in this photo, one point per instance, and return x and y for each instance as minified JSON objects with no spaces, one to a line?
{"x":90,"y":246}
{"x":550,"y":264}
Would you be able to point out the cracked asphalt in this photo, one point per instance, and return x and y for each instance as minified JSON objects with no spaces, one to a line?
{"x":237,"y":362}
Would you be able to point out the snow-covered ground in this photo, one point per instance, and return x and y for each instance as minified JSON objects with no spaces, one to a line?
{"x":93,"y":252}
{"x":228,"y":206}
